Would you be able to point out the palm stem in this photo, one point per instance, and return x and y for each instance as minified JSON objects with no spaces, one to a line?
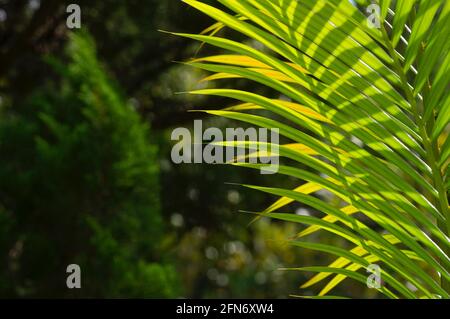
{"x":430,"y":149}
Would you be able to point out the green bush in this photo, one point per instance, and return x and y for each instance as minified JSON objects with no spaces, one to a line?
{"x":79,"y":184}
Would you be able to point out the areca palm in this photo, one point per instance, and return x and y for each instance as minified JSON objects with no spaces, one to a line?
{"x":367,"y":113}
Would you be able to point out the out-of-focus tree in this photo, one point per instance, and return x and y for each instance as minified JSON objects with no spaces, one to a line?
{"x":127,"y":38}
{"x":79,"y":185}
{"x":207,"y":234}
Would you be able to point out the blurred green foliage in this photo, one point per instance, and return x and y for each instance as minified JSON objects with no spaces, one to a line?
{"x":79,"y":184}
{"x":83,"y":180}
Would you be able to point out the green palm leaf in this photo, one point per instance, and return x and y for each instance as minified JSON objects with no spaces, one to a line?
{"x":387,"y":89}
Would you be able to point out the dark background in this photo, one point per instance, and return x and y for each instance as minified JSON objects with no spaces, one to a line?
{"x":85,"y":169}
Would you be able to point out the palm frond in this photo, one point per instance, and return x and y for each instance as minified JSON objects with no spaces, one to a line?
{"x":387,"y":89}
